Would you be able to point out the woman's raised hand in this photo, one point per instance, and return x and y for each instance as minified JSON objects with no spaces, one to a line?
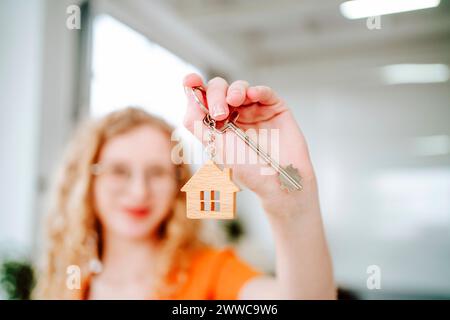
{"x":259,"y":108}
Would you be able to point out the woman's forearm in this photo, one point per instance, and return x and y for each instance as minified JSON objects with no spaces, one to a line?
{"x":303,"y":263}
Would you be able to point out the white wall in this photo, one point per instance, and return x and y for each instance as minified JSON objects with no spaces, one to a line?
{"x":383,"y":203}
{"x":37,"y":101}
{"x":21,"y":37}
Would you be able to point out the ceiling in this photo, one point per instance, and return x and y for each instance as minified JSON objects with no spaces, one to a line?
{"x":309,"y":40}
{"x":267,"y":32}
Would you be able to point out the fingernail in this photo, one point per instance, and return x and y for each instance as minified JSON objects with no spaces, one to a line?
{"x":237,"y":92}
{"x":187,"y":92}
{"x":218,"y":110}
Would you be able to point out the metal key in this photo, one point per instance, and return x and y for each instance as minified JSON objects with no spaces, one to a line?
{"x":288,"y":176}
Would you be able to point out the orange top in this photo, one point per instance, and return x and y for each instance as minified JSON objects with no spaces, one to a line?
{"x":214,"y":274}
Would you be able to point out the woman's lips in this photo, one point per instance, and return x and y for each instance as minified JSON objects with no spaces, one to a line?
{"x":137,"y":212}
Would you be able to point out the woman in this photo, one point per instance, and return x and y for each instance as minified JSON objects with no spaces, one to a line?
{"x":118,"y":200}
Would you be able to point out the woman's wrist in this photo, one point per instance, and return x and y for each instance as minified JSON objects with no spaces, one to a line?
{"x":289,"y":204}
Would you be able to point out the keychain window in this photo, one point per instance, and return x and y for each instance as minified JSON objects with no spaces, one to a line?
{"x":210,"y":200}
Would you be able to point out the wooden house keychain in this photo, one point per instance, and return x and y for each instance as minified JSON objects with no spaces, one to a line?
{"x":211,"y":193}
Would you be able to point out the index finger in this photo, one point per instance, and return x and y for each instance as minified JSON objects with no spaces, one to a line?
{"x":193,"y":112}
{"x":193,"y":80}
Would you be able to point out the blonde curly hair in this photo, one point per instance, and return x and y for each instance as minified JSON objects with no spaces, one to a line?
{"x":73,"y":231}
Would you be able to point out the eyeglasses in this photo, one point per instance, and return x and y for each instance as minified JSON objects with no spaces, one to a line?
{"x":119,"y":176}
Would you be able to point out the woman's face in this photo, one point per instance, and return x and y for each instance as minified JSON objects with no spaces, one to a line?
{"x":135,"y":185}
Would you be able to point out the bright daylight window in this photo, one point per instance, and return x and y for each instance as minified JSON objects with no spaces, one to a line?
{"x":130,"y":70}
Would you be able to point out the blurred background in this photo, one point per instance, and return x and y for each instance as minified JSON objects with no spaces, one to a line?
{"x":372,"y":96}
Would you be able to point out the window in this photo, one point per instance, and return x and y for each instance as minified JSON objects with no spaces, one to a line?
{"x":130,"y":70}
{"x":210,"y":200}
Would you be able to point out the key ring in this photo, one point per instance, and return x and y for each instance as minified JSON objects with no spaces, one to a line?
{"x":203,"y":92}
{"x":208,"y":121}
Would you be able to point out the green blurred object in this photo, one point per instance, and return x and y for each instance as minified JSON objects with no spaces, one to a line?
{"x":17,"y":279}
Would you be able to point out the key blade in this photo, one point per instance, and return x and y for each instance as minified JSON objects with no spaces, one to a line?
{"x":288,"y":176}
